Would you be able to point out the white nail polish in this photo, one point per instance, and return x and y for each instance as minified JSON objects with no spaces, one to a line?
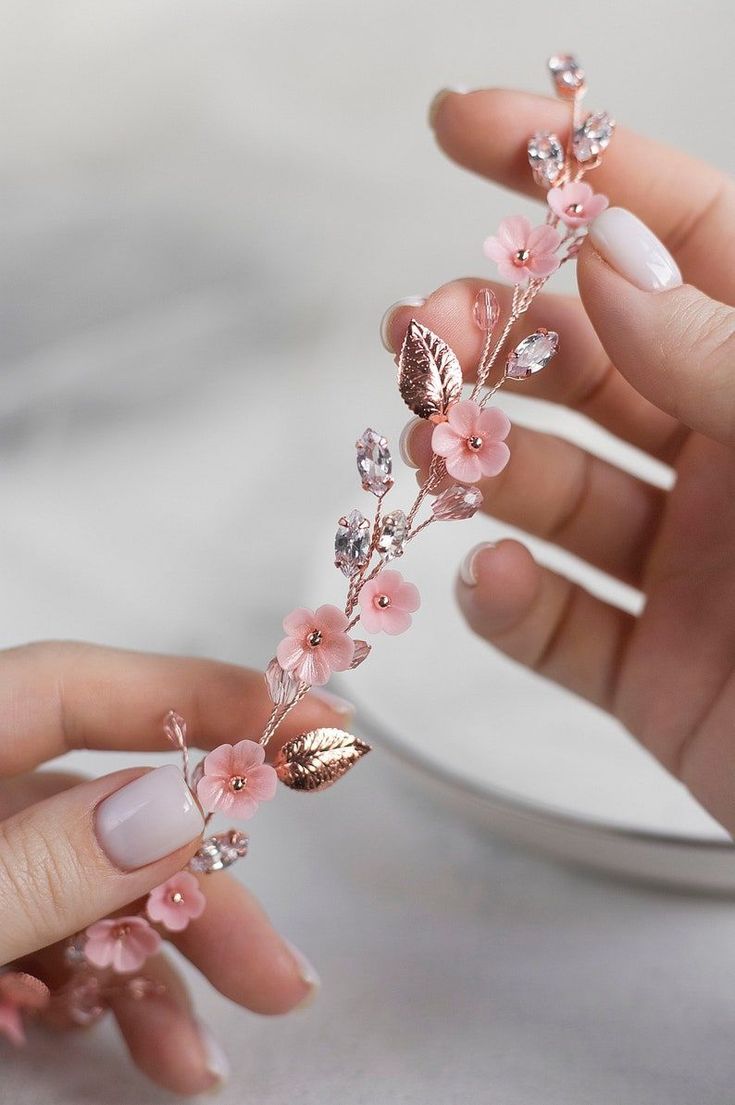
{"x":467,"y":572}
{"x":634,"y":251}
{"x":457,"y":89}
{"x":333,"y":701}
{"x":411,"y":301}
{"x":215,"y":1060}
{"x":403,"y":440}
{"x":307,"y":973}
{"x":148,"y":819}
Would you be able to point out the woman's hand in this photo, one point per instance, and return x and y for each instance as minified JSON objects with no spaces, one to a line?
{"x":63,"y":863}
{"x":653,"y":361}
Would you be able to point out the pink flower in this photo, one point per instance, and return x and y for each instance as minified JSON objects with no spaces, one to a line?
{"x":472,"y":441}
{"x":19,"y":992}
{"x":316,"y":644}
{"x":387,"y":603}
{"x":236,"y":779}
{"x":575,"y":203}
{"x":123,"y":943}
{"x":176,"y":902}
{"x":522,"y":251}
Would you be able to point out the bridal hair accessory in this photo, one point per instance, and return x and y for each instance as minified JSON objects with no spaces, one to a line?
{"x":468,"y":443}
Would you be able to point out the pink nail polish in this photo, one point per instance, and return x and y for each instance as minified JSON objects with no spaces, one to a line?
{"x":467,"y":572}
{"x":634,"y":251}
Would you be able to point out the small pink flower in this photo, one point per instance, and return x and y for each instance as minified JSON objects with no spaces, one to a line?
{"x":236,"y":779}
{"x":387,"y":603}
{"x":472,"y":441}
{"x":19,"y":993}
{"x":123,"y":943}
{"x":523,"y":251}
{"x":316,"y":644}
{"x":576,"y":204}
{"x":176,"y":902}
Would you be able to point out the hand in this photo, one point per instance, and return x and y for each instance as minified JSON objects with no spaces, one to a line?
{"x":653,"y":361}
{"x":56,"y":873}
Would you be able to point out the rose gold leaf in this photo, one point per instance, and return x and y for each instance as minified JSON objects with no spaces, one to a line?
{"x":429,"y":374}
{"x":317,"y":759}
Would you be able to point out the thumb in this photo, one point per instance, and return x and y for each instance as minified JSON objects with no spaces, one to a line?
{"x":674,"y":344}
{"x":79,"y":855}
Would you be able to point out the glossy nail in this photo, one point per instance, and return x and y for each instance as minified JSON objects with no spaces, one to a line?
{"x":307,"y":973}
{"x":404,"y":442}
{"x":333,"y":701}
{"x":215,"y":1060}
{"x":457,"y":89}
{"x":467,"y":569}
{"x":634,"y":251}
{"x":411,"y":301}
{"x":148,"y":819}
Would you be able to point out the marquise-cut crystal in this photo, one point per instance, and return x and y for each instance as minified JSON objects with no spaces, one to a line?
{"x":393,"y":533}
{"x":546,"y":157}
{"x":457,"y":502}
{"x":352,"y":543}
{"x":282,"y":685}
{"x":486,"y":310}
{"x":374,"y":462}
{"x":361,"y":653}
{"x":219,"y":851}
{"x":567,"y":75}
{"x":594,"y":135}
{"x":532,"y":354}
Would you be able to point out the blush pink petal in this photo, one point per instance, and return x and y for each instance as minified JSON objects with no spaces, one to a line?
{"x":289,"y":653}
{"x":543,"y":264}
{"x":494,"y":250}
{"x":596,"y":206}
{"x":494,"y":423}
{"x":463,"y":416}
{"x":246,"y":755}
{"x":11,"y":1024}
{"x":514,"y":274}
{"x":298,"y":622}
{"x":219,"y":761}
{"x":175,"y":916}
{"x":493,"y":458}
{"x":371,"y":619}
{"x":330,"y":619}
{"x":513,"y":232}
{"x":543,"y":239}
{"x":464,"y":466}
{"x":444,"y":439}
{"x":243,"y":805}
{"x":262,"y":782}
{"x":340,"y":652}
{"x":394,"y":622}
{"x":214,"y":793}
{"x":314,"y":667}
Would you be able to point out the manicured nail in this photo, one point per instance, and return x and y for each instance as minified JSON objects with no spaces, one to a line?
{"x":333,"y":701}
{"x":403,"y":442}
{"x":148,"y":819}
{"x":634,"y":251}
{"x":457,"y":89}
{"x":412,"y":301}
{"x":307,"y":973}
{"x":215,"y":1060}
{"x":467,"y":569}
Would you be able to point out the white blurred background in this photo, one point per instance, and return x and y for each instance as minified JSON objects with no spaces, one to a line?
{"x":205,"y":210}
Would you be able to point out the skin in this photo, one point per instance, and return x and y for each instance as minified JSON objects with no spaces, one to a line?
{"x":55,"y":697}
{"x":655,"y":369}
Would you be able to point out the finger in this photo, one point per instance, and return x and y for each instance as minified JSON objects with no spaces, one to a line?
{"x":57,"y":696}
{"x":544,"y":621}
{"x":488,"y":131}
{"x":236,"y":947}
{"x":557,"y":491}
{"x":581,"y":375}
{"x":676,"y":347}
{"x":88,"y":851}
{"x":165,"y":1039}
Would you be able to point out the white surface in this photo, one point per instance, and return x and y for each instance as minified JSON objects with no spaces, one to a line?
{"x":205,"y":210}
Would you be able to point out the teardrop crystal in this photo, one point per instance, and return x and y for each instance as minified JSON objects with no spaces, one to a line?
{"x":532,"y":354}
{"x":567,"y":75}
{"x":282,"y":685}
{"x":374,"y":463}
{"x":593,"y":137}
{"x":393,"y":534}
{"x":457,"y":502}
{"x":361,"y":653}
{"x":546,"y":158}
{"x":352,"y":543}
{"x":486,"y":310}
{"x":219,"y":851}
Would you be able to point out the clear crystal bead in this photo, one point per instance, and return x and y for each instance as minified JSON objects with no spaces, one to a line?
{"x":532,"y":354}
{"x":361,"y":653}
{"x":486,"y":310}
{"x":567,"y":75}
{"x":83,"y":1000}
{"x":546,"y":158}
{"x":282,"y":685}
{"x":393,"y":533}
{"x":457,"y":502}
{"x":219,"y":851}
{"x":352,"y":543}
{"x":593,"y":136}
{"x":374,"y":462}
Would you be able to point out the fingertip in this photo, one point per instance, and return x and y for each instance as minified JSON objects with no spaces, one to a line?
{"x":497,"y":583}
{"x":415,"y":443}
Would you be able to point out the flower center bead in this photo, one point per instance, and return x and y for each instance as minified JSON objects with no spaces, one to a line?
{"x":383,"y":601}
{"x":238,"y":782}
{"x":122,"y":931}
{"x":177,"y":897}
{"x":521,"y":257}
{"x":474,"y":443}
{"x":575,"y":209}
{"x":315,"y":638}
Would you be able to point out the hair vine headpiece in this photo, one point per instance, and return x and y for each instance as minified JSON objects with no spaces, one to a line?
{"x":468,"y":442}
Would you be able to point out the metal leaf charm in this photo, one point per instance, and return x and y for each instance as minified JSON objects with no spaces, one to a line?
{"x":429,"y":374}
{"x":317,"y":759}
